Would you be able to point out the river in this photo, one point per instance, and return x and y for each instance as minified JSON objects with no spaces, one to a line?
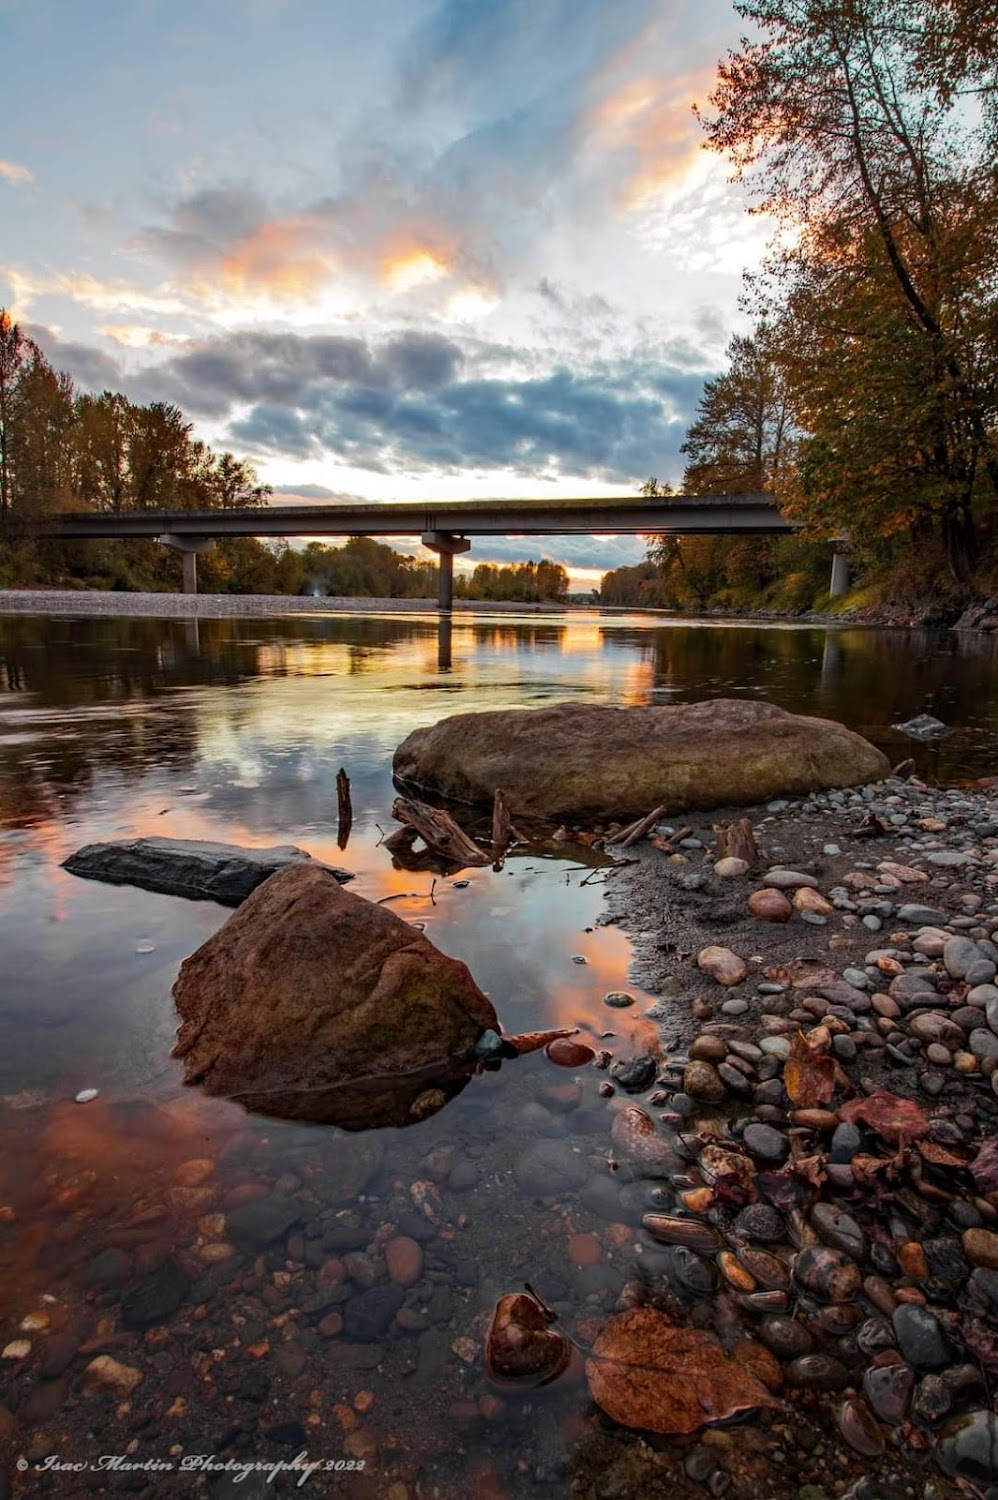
{"x":234,"y":730}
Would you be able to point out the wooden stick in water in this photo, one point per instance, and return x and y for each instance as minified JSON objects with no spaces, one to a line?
{"x":344,"y":807}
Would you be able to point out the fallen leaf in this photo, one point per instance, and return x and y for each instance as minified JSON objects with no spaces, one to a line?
{"x":938,"y":1156}
{"x":534,"y":1041}
{"x":900,"y":1121}
{"x":796,"y":1184}
{"x":802,"y":973}
{"x":808,"y":1076}
{"x":866,"y":1169}
{"x":731,"y":1175}
{"x":985,"y":1166}
{"x":647,"y":1373}
{"x":521,"y":1346}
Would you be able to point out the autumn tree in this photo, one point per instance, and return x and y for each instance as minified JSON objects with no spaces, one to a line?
{"x":739,"y":441}
{"x":101,"y":447}
{"x":886,"y":190}
{"x":15,"y":350}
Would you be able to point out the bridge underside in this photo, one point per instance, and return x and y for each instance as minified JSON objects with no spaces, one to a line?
{"x":445,"y":529}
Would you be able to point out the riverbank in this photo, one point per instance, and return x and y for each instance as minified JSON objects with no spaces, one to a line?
{"x":830,"y":1077}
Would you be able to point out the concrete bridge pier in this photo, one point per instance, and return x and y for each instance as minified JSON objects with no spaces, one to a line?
{"x":840,"y":572}
{"x":188,"y":547}
{"x":446,"y":544}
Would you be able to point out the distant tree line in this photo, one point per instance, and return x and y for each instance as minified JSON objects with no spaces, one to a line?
{"x":866,"y":396}
{"x":528,"y":582}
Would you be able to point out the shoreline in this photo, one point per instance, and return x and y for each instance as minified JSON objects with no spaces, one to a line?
{"x":976,"y":621}
{"x":223,"y":606}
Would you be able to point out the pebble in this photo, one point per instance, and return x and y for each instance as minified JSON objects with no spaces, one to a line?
{"x":548,"y":1167}
{"x":981,"y":1248}
{"x":788,"y":880}
{"x":731,"y":868}
{"x":634,"y":1074}
{"x":770,"y":905}
{"x":766,"y":1144}
{"x":618,"y":999}
{"x":404,"y":1259}
{"x":810,"y":902}
{"x":105,"y":1374}
{"x":368,"y":1316}
{"x":701,"y":1080}
{"x":263,"y":1220}
{"x":968,"y":1447}
{"x":156,"y":1297}
{"x":921,"y":1338}
{"x":723,"y":966}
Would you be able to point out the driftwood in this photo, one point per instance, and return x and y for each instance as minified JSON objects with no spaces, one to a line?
{"x":344,"y":808}
{"x":503,"y":829}
{"x":736,"y":841}
{"x":401,"y":840}
{"x":439,"y":833}
{"x":635,"y":831}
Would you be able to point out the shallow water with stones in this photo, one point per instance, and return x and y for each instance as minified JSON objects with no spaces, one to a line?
{"x":296,"y":1337}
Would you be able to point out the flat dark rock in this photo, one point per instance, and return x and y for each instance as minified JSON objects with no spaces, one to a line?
{"x":194,"y":868}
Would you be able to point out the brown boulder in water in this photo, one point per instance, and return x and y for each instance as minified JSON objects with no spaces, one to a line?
{"x":581,"y":761}
{"x":314,"y":1003}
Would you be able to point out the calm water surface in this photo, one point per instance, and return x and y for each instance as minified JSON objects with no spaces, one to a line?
{"x":234,"y":730}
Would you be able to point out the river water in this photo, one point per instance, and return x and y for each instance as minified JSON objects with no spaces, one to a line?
{"x":234,"y":730}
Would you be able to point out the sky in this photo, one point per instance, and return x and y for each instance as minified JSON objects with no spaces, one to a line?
{"x":398,"y":250}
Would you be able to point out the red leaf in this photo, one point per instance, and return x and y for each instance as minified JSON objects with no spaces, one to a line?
{"x":899,"y":1121}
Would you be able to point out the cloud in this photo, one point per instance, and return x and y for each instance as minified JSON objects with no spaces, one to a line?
{"x":417,"y":403}
{"x":11,"y":172}
{"x":90,"y":368}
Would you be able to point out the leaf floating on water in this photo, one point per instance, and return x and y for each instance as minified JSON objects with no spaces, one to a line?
{"x":808,"y":1076}
{"x":521,"y":1346}
{"x":535,"y":1041}
{"x":645,"y":1372}
{"x":900,"y":1121}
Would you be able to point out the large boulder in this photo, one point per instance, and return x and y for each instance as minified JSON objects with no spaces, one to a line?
{"x":195,"y":868}
{"x":581,"y":761}
{"x":313,"y":1003}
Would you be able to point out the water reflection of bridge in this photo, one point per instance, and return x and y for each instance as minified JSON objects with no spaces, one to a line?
{"x":445,"y":529}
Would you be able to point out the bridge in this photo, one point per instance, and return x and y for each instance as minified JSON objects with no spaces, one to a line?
{"x":445,"y":528}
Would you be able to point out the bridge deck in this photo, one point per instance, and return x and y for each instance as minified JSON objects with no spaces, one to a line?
{"x":680,"y":515}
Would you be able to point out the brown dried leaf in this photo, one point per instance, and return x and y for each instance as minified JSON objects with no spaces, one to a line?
{"x":865,"y":1169}
{"x":808,"y":1076}
{"x":521,"y":1347}
{"x":802,"y":973}
{"x":645,"y":1372}
{"x":534,"y":1041}
{"x":938,"y":1156}
{"x":899,"y":1121}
